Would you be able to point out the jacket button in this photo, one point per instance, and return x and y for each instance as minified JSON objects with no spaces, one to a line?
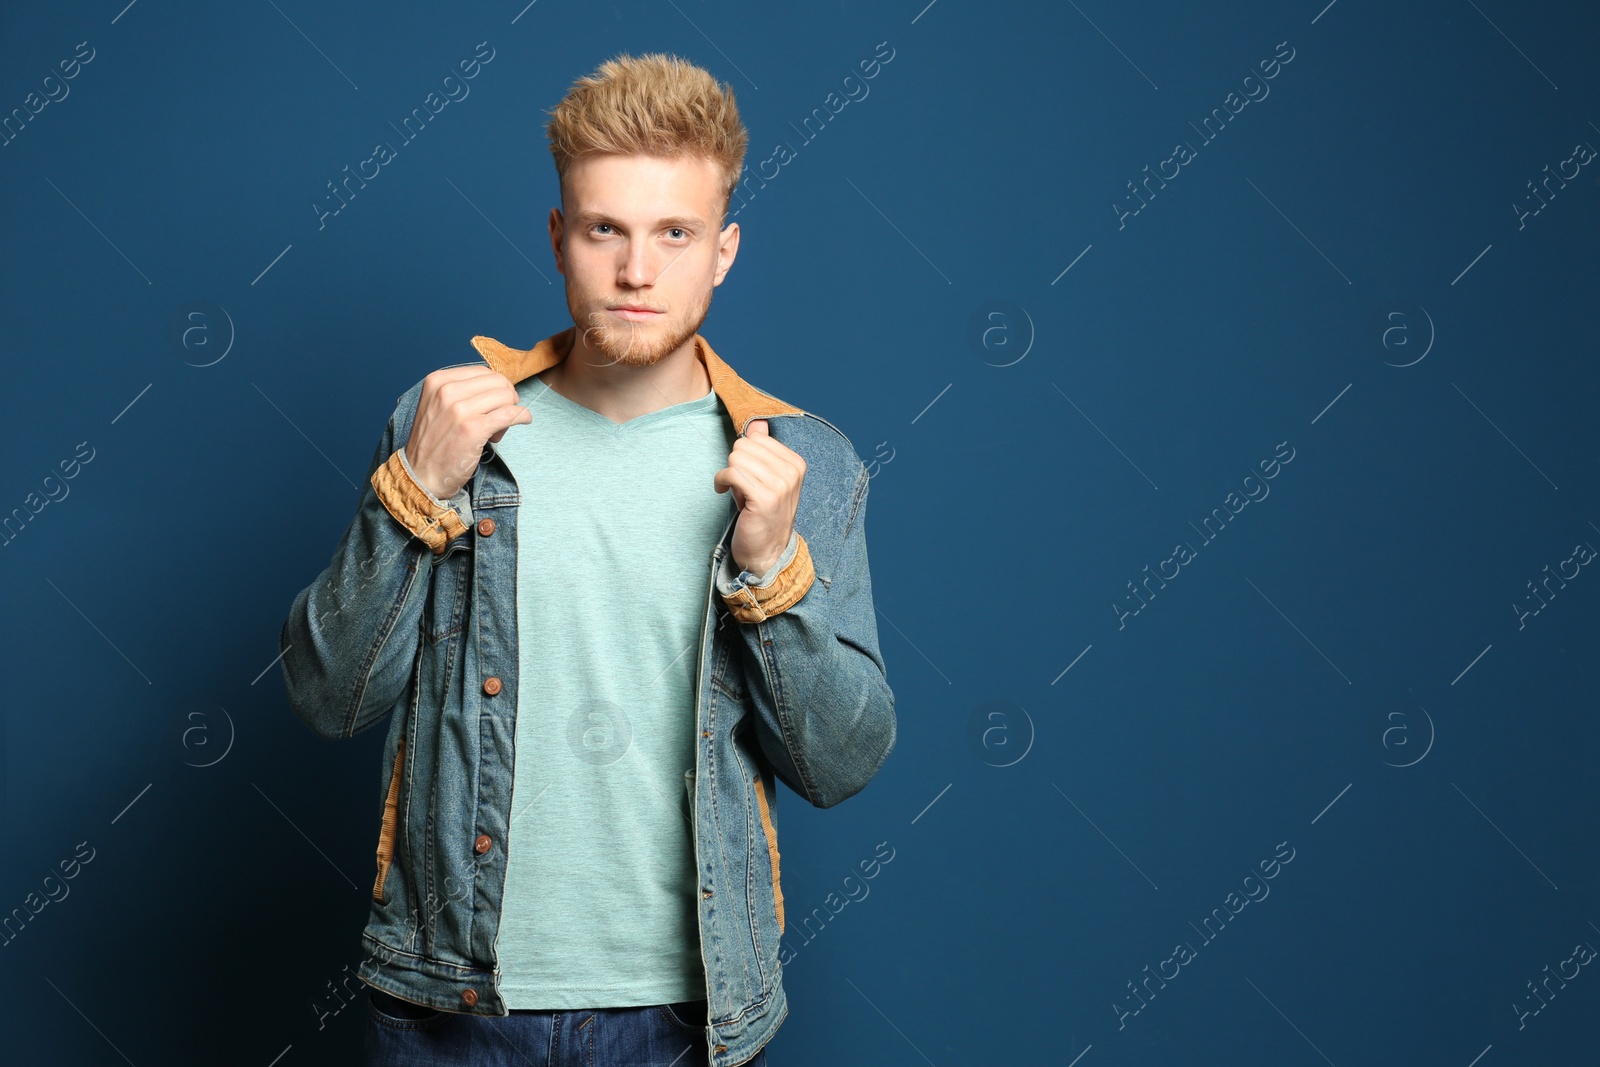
{"x":469,"y":997}
{"x":483,"y":843}
{"x":485,"y":527}
{"x":491,"y":685}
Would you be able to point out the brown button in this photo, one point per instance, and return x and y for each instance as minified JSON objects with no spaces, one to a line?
{"x":483,"y":843}
{"x":485,"y":527}
{"x":491,"y":685}
{"x":469,"y":997}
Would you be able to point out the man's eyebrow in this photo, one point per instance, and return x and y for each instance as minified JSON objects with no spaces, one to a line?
{"x":589,"y":218}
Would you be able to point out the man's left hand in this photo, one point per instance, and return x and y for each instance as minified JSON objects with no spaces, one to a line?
{"x":765,"y":478}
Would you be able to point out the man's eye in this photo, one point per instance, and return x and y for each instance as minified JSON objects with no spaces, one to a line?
{"x":677,"y":233}
{"x":602,"y":226}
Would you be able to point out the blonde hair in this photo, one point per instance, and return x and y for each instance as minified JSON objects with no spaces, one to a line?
{"x":655,"y":104}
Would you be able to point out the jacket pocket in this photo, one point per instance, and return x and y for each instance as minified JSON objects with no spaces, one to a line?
{"x":391,"y":816}
{"x":443,"y":614}
{"x":771,"y":833}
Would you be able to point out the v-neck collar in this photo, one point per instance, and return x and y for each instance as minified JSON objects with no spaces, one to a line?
{"x":543,"y":393}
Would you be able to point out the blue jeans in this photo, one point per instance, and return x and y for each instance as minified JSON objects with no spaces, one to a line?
{"x":403,"y":1034}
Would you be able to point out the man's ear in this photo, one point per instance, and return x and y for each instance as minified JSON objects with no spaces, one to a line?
{"x":727,"y":251}
{"x":557,"y":230}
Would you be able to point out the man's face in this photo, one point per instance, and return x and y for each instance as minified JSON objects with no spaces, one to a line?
{"x":638,"y":244}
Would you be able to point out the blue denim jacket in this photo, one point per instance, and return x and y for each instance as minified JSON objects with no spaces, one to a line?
{"x":416,"y":614}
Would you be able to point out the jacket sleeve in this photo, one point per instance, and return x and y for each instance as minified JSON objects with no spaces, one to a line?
{"x":349,"y":644}
{"x":462,"y":501}
{"x":825,"y":712}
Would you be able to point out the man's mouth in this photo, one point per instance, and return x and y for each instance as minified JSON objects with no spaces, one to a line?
{"x":635,"y":312}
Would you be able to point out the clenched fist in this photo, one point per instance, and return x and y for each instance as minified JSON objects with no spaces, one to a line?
{"x":461,"y":409}
{"x":764,"y":476}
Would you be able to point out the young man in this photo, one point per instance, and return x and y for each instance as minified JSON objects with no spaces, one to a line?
{"x":608,"y":595}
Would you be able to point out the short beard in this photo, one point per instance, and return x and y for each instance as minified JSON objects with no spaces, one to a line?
{"x":619,"y":341}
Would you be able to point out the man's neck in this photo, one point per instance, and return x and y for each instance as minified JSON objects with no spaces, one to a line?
{"x":622,"y":391}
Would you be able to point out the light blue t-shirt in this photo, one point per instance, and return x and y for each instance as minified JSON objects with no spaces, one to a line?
{"x":614,"y":539}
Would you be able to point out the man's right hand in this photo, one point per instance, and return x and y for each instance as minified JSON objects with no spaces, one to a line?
{"x":461,"y":409}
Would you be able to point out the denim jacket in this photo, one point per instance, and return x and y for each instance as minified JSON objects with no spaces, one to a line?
{"x":416,"y":614}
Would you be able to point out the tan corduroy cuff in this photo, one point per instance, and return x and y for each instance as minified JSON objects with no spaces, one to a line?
{"x":753,"y":603}
{"x":411,"y":505}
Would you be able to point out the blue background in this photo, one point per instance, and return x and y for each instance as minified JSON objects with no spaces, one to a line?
{"x":1053,"y":392}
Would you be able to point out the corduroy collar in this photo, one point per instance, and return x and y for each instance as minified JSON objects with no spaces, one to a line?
{"x":743,"y":400}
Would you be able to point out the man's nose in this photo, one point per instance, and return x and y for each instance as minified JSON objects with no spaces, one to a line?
{"x":637,"y":269}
